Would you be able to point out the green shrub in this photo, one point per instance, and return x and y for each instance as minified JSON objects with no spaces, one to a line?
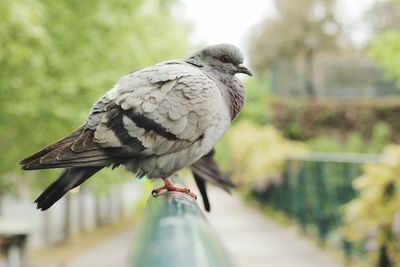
{"x":354,"y":126}
{"x":374,"y":216}
{"x":251,"y":153}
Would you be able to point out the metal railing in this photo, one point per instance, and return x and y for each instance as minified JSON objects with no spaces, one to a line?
{"x":344,"y":157}
{"x":175,"y":233}
{"x":313,"y":188}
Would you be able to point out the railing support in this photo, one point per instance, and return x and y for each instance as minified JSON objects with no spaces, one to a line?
{"x":175,"y":233}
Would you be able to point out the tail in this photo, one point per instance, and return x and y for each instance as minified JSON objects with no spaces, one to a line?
{"x":206,"y":169}
{"x":202,"y":185}
{"x":78,"y":154}
{"x":68,"y":179}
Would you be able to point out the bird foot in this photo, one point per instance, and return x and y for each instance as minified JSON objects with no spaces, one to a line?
{"x":170,"y":186}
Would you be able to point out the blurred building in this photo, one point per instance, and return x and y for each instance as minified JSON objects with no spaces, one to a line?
{"x":341,"y":76}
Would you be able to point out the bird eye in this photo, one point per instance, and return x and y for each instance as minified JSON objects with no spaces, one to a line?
{"x":224,"y":59}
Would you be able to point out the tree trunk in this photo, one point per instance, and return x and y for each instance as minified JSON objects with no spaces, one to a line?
{"x":108,"y":218}
{"x":384,"y":260}
{"x":67,"y":217}
{"x":82,"y":211}
{"x":309,"y":73}
{"x":97,"y":208}
{"x":46,"y":229}
{"x":120,"y":209}
{"x":1,"y":202}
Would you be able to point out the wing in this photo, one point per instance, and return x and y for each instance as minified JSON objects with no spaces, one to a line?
{"x":159,"y":110}
{"x":74,"y":150}
{"x":163,"y":109}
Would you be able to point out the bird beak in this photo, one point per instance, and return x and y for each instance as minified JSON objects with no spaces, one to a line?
{"x":243,"y":69}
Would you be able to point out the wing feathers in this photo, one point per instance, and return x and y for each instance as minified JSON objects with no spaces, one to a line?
{"x":79,"y":151}
{"x":53,"y":146}
{"x":149,"y":125}
{"x":79,"y":144}
{"x":35,"y":165}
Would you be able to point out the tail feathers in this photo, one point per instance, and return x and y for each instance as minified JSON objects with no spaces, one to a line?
{"x":206,"y":169}
{"x":210,"y":172}
{"x":202,"y":185}
{"x":68,"y":179}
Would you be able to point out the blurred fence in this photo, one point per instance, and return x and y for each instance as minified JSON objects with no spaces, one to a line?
{"x":74,"y":214}
{"x":313,"y":189}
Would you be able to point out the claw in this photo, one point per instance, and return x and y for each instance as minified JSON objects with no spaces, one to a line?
{"x":170,"y":186}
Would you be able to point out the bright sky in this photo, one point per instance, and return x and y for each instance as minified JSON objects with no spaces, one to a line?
{"x":228,"y":21}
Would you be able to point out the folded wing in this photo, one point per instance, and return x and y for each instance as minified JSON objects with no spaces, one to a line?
{"x":157,"y":111}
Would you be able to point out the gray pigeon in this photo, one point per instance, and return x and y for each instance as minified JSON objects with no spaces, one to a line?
{"x":154,"y":121}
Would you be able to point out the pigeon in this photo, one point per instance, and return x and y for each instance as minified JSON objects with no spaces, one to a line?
{"x":154,"y":122}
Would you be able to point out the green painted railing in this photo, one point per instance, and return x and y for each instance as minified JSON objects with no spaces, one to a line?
{"x":313,"y":189}
{"x":175,"y":233}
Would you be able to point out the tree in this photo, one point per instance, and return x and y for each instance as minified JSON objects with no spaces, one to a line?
{"x":301,"y":29}
{"x":58,"y":57}
{"x":384,"y":15}
{"x":385,"y":44}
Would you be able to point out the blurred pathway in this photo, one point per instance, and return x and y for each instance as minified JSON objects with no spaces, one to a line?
{"x":109,"y":253}
{"x":250,"y":238}
{"x":254,"y":241}
{"x":113,"y":251}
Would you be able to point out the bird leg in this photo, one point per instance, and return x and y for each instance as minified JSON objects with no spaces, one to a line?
{"x":170,"y":186}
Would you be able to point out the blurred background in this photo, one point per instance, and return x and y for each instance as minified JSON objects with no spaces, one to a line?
{"x":315,"y":152}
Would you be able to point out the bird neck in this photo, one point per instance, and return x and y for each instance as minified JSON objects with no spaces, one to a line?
{"x":235,"y":96}
{"x":231,"y":89}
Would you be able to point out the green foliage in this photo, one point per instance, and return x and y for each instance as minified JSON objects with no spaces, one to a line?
{"x":374,"y":216}
{"x":353,"y":142}
{"x":251,"y":154}
{"x":58,"y":57}
{"x":352,"y":126}
{"x":385,"y":48}
{"x":257,"y":100}
{"x":385,"y":45}
{"x":309,"y":26}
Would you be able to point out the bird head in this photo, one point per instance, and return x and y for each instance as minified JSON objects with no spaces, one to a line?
{"x":224,"y":58}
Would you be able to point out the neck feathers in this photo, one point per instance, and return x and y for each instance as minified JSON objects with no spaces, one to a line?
{"x":234,"y":95}
{"x":236,"y":100}
{"x":230,"y":87}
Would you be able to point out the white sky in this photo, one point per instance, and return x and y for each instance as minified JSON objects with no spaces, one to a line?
{"x":227,"y":21}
